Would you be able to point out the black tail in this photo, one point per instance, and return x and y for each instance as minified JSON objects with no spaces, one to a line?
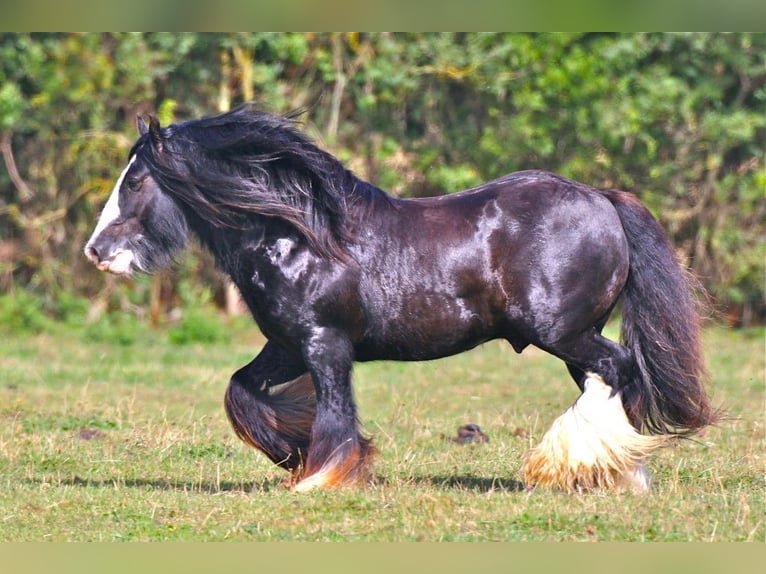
{"x":661,"y":327}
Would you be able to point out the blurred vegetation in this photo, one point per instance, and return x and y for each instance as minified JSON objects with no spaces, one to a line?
{"x":679,"y":119}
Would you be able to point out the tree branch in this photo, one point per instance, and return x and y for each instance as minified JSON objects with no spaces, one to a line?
{"x":25,"y":192}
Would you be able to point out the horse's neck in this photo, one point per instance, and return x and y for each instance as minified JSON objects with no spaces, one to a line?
{"x":233,"y":248}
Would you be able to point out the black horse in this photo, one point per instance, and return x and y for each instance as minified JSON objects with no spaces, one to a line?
{"x":336,"y":271}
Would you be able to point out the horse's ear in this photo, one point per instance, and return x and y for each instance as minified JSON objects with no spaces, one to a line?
{"x":141,"y":124}
{"x":155,"y":133}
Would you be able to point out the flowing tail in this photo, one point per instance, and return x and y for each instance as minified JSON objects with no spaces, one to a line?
{"x":661,"y":327}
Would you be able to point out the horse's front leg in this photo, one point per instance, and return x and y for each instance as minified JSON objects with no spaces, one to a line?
{"x":338,"y":453}
{"x":270,"y":403}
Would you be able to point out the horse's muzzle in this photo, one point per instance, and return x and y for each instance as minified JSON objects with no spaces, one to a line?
{"x":120,"y":262}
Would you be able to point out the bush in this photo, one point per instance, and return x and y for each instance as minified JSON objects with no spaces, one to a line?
{"x":71,"y":309}
{"x":22,"y":312}
{"x":199,"y":325}
{"x":120,"y":328}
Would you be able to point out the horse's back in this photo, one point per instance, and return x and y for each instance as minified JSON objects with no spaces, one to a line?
{"x":525,"y":198}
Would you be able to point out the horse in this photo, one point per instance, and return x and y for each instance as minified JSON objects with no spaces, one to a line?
{"x":336,"y":271}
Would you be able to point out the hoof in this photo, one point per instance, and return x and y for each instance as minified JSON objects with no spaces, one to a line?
{"x":351,"y":470}
{"x":318,"y":481}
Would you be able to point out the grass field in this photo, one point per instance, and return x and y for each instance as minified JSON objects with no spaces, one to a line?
{"x":106,"y":441}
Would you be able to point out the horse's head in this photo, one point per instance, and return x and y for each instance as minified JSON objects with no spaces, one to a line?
{"x":140,"y":227}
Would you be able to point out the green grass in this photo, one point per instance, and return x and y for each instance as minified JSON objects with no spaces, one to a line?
{"x":109,"y":441}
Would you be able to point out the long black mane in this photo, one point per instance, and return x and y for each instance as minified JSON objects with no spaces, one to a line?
{"x":233,"y":166}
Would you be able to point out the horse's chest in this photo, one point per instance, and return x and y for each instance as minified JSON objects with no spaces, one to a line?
{"x":290,"y":291}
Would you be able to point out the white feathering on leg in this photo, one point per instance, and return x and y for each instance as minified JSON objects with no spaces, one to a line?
{"x":592,"y":446}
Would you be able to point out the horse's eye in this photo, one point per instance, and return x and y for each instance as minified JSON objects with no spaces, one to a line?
{"x":134,"y":183}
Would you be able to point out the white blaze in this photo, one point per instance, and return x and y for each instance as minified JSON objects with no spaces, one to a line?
{"x":112,"y":208}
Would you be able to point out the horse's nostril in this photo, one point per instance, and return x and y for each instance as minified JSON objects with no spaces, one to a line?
{"x":92,"y":254}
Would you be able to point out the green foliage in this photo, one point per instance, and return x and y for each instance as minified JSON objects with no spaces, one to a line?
{"x":71,"y":309}
{"x":452,"y":179}
{"x":199,"y":325}
{"x":22,"y":312}
{"x":117,"y":328}
{"x":11,"y":103}
{"x":199,"y":322}
{"x":676,"y":118}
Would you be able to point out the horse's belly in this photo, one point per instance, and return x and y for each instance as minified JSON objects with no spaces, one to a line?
{"x":429,"y":330}
{"x":405,"y":350}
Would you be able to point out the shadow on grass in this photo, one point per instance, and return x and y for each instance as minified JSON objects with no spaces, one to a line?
{"x":472,"y":483}
{"x":207,"y":487}
{"x":465,"y":483}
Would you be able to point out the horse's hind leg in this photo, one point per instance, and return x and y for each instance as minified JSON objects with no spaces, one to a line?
{"x":338,"y":453}
{"x":270,"y":403}
{"x":596,"y":346}
{"x":593,"y":444}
